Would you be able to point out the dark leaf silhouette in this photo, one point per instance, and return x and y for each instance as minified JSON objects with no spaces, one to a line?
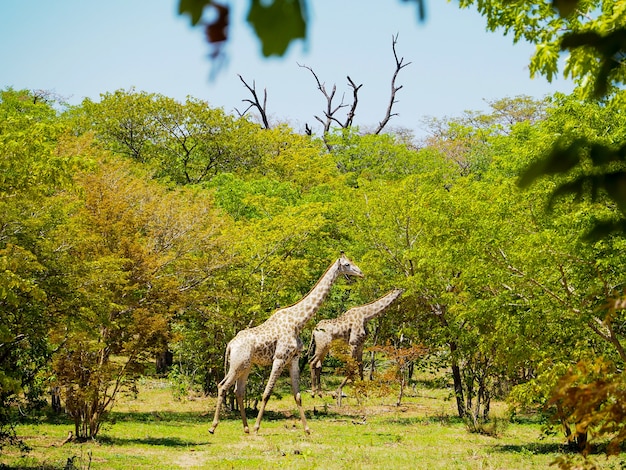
{"x":600,"y":172}
{"x":565,"y":7}
{"x":560,"y":160}
{"x":193,"y":8}
{"x":610,"y":48}
{"x":277,"y":24}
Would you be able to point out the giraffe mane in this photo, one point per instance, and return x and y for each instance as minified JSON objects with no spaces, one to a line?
{"x":311,"y":289}
{"x":374,"y":301}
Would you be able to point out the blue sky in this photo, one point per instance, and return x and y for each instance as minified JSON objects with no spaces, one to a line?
{"x":80,"y":48}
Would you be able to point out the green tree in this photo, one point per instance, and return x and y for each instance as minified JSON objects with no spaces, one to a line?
{"x":592,"y":31}
{"x":589,"y":273}
{"x":372,"y":156}
{"x":587,"y":156}
{"x":483,"y":261}
{"x":467,"y":140}
{"x":130,"y":251}
{"x":34,"y":168}
{"x":123,"y":121}
{"x":196,"y":142}
{"x":187,"y":143}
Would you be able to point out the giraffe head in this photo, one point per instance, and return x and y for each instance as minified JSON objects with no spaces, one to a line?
{"x":348,"y":268}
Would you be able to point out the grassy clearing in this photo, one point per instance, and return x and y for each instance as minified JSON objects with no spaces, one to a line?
{"x":155,"y":431}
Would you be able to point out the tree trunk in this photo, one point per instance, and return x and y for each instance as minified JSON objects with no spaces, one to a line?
{"x":55,"y":393}
{"x":458,"y":382}
{"x":164,"y":361}
{"x":372,"y":355}
{"x":439,"y":311}
{"x":402,"y":384}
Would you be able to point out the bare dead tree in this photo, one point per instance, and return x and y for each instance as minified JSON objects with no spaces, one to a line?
{"x":46,"y":96}
{"x":255,"y":102}
{"x":331,"y":109}
{"x":394,"y":89}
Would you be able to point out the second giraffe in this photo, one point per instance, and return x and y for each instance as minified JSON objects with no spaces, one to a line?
{"x":350,"y":327}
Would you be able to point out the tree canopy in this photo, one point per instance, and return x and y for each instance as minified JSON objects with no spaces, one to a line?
{"x":140,"y":225}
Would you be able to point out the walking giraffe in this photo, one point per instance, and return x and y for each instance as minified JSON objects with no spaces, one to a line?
{"x":350,"y":327}
{"x":276,"y":342}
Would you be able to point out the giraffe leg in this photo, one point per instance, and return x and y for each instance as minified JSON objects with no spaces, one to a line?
{"x":316,"y":370}
{"x":240,"y":390}
{"x":294,"y":374}
{"x":318,"y":379}
{"x":277,"y":368}
{"x":358,"y":356}
{"x":312,"y":368}
{"x":222,"y":388}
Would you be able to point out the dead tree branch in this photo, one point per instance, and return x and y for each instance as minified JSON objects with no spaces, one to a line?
{"x":332,"y":110}
{"x":355,"y":100}
{"x":256,"y":103}
{"x":394,"y":89}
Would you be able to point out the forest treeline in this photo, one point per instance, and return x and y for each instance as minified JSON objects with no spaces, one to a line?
{"x":139,"y":226}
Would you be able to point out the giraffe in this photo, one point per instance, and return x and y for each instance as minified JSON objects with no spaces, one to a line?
{"x":276,"y":342}
{"x":350,"y":327}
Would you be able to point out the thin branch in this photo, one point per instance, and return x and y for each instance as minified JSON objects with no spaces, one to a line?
{"x":521,"y":274}
{"x":394,"y":89}
{"x":256,"y":103}
{"x":605,"y":330}
{"x":355,"y":100}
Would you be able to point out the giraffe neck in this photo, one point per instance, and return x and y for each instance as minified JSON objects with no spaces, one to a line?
{"x":310,"y":303}
{"x":378,"y":306}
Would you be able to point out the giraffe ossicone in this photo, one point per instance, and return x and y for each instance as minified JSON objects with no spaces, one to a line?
{"x":276,"y":343}
{"x":350,"y":327}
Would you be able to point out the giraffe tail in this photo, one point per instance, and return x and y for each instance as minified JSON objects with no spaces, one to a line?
{"x":226,"y":359}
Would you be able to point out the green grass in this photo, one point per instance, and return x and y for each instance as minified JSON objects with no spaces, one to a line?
{"x":155,"y":431}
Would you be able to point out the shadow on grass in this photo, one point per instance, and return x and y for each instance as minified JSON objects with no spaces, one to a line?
{"x":126,"y":417}
{"x":435,"y":419}
{"x":431,"y":384}
{"x":536,"y":448}
{"x":184,"y":418}
{"x":165,"y":417}
{"x":42,"y":466}
{"x":45,"y":416}
{"x":148,"y":441}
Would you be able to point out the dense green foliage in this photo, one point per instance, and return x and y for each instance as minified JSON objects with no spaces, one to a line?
{"x":590,"y":33}
{"x":139,"y":224}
